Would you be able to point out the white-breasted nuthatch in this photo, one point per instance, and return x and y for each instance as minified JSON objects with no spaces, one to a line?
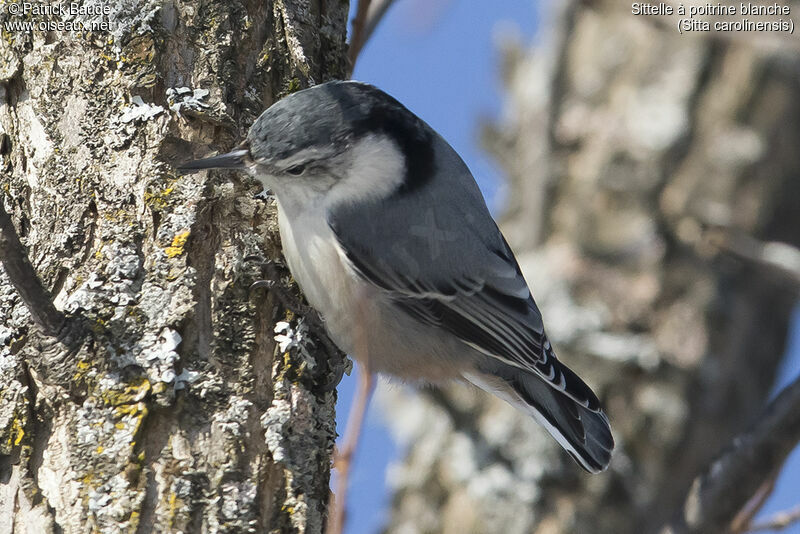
{"x":387,"y":234}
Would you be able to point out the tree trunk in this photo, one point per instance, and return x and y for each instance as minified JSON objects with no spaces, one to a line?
{"x":174,"y":410}
{"x":642,"y":164}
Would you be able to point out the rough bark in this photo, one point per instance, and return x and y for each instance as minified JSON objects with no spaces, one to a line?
{"x":176,"y":411}
{"x":630,"y":150}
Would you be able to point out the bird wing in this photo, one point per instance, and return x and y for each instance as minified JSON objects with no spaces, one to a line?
{"x":451,"y":268}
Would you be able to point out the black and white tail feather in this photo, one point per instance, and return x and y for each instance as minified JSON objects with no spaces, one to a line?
{"x":585,"y":434}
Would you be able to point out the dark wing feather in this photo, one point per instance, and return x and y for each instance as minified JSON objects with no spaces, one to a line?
{"x":439,"y":255}
{"x":495,"y":314}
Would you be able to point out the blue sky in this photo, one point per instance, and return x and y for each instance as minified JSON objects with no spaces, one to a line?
{"x":439,"y":58}
{"x":787,"y":489}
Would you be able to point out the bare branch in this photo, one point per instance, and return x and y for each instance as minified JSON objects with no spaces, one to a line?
{"x":731,"y":481}
{"x":778,"y":521}
{"x":368,"y":14}
{"x":24,"y":279}
{"x":748,"y":512}
{"x":377,"y":10}
{"x":358,"y":38}
{"x":782,"y":258}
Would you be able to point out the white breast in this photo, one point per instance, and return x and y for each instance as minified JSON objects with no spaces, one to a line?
{"x":321,"y":270}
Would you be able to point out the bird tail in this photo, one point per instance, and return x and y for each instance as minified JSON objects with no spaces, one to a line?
{"x":585,"y":434}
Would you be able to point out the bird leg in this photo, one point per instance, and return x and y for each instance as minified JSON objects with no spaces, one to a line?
{"x":355,"y":419}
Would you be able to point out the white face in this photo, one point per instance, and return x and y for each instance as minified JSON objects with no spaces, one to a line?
{"x":373,"y":167}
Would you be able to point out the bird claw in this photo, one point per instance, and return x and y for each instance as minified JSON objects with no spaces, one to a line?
{"x":260,"y":284}
{"x":254,"y":257}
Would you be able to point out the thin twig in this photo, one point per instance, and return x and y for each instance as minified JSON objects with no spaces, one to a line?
{"x":357,"y":38}
{"x":731,"y":481}
{"x":781,"y":258}
{"x":778,"y":521}
{"x":24,"y":279}
{"x":377,"y":10}
{"x":745,"y":517}
{"x":368,"y":14}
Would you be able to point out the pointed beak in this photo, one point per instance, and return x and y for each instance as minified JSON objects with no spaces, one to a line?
{"x":232,"y":160}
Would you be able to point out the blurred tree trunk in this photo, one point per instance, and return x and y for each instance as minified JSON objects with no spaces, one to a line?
{"x":639,"y":160}
{"x":173,"y":414}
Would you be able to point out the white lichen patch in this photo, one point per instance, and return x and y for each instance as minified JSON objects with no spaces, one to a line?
{"x":107,"y":425}
{"x":111,"y":503}
{"x":139,"y":110}
{"x":296,"y":338}
{"x":109,"y":294}
{"x":183,"y":99}
{"x":291,"y":408}
{"x":83,"y":297}
{"x":284,"y":335}
{"x":14,"y":316}
{"x":233,"y":420}
{"x":186,"y":378}
{"x":235,"y":497}
{"x":123,"y":261}
{"x":273,"y":421}
{"x":159,"y":355}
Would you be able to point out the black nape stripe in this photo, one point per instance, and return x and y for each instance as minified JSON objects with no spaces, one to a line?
{"x":412,"y":136}
{"x":370,"y":110}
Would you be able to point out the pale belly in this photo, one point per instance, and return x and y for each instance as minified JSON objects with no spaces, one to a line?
{"x":359,"y":317}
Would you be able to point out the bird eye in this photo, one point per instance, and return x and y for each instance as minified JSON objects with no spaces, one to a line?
{"x":297,"y":170}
